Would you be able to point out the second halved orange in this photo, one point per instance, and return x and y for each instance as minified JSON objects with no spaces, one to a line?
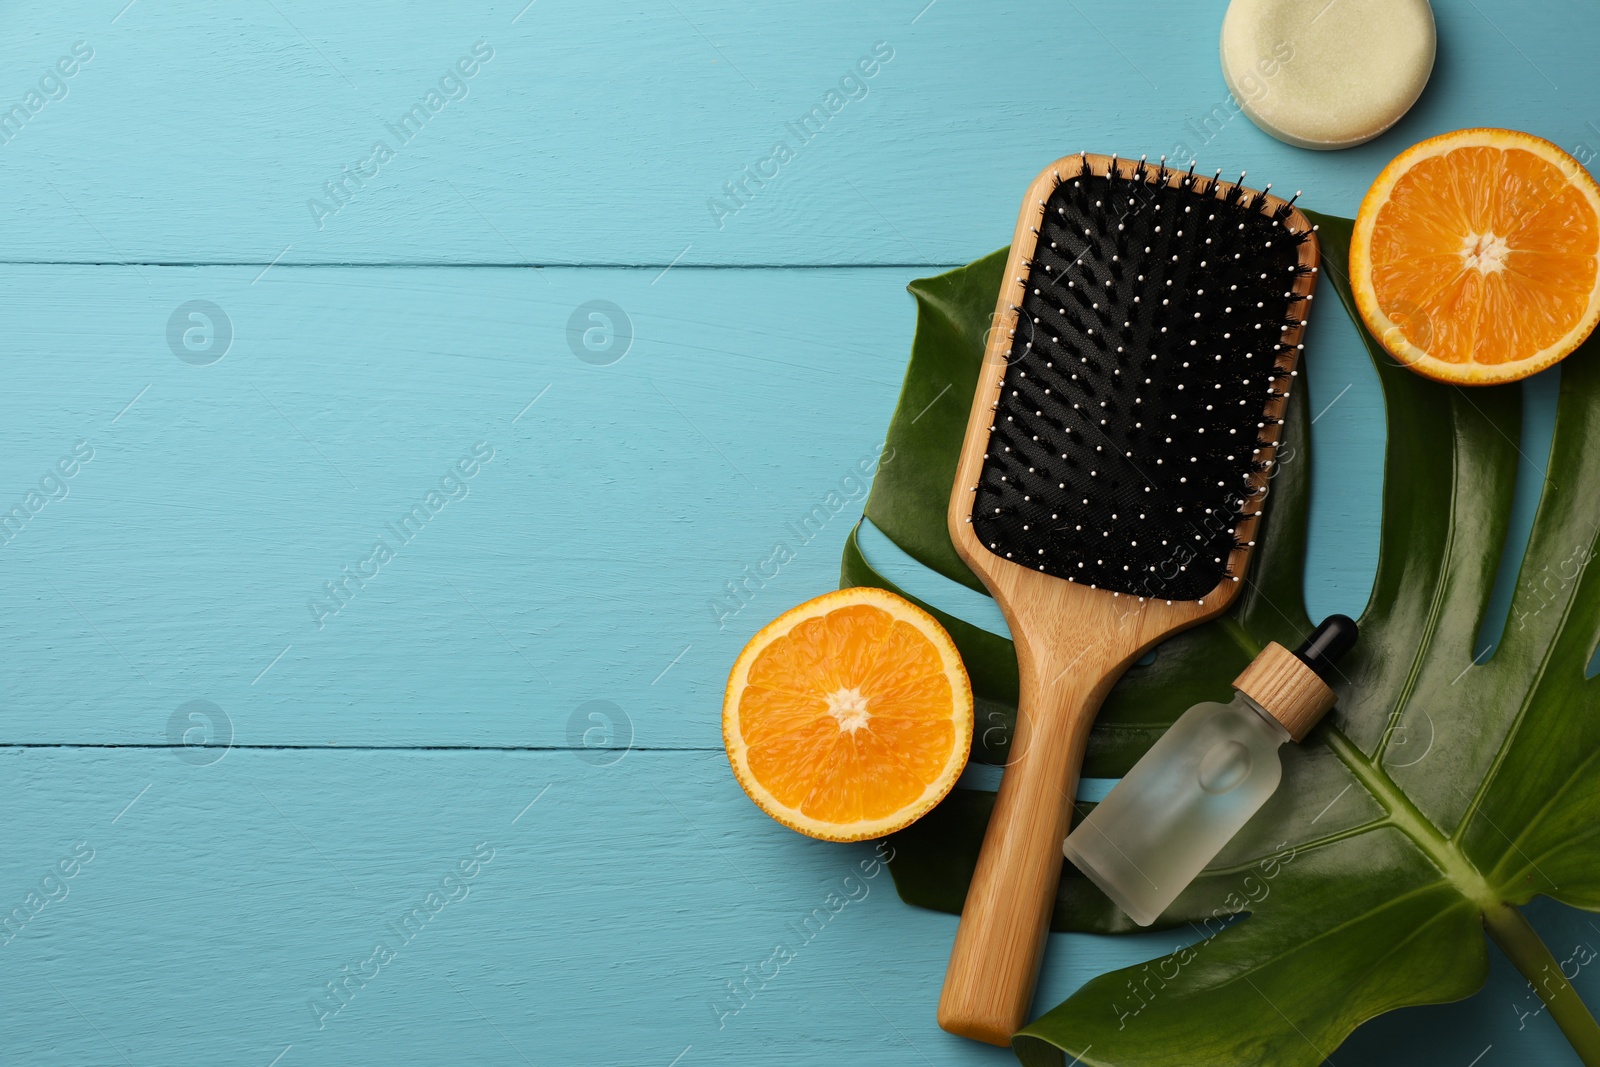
{"x":1476,"y":256}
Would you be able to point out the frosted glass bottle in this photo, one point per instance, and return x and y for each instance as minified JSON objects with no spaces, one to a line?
{"x":1203,"y":780}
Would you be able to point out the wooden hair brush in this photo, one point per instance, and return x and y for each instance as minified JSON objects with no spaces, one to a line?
{"x":1109,"y":487}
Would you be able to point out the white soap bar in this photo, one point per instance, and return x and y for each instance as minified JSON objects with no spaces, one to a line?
{"x":1327,"y":73}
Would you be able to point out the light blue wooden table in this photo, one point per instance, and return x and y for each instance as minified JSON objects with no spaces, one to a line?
{"x":495,"y":750}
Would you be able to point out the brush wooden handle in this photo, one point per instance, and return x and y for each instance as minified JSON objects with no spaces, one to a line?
{"x":1000,"y":942}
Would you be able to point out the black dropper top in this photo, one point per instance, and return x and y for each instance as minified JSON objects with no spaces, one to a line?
{"x":1327,"y":643}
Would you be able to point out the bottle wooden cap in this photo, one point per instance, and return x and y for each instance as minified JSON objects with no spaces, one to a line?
{"x":1286,"y":689}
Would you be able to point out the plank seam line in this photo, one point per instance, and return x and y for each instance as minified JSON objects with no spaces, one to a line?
{"x":371,"y":748}
{"x":407,"y":265}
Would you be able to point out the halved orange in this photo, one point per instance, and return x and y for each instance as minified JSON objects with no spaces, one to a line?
{"x":848,"y":717}
{"x":1476,"y":256}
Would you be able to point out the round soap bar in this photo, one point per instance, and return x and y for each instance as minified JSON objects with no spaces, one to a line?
{"x":1327,"y":73}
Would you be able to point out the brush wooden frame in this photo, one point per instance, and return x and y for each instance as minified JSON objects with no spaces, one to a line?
{"x":1073,"y":642}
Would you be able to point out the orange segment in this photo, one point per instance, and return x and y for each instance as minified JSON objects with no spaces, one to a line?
{"x":848,"y":717}
{"x":1476,"y":256}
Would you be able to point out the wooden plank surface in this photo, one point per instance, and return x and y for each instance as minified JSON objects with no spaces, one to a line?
{"x":209,"y":907}
{"x":199,"y":132}
{"x":590,"y":558}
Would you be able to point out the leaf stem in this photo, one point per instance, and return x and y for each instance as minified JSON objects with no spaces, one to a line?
{"x":1504,"y":922}
{"x":1521,"y":943}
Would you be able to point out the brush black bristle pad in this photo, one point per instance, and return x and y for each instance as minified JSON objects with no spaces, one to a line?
{"x":1132,"y":423}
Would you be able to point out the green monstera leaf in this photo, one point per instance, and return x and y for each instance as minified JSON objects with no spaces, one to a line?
{"x":1443,"y":792}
